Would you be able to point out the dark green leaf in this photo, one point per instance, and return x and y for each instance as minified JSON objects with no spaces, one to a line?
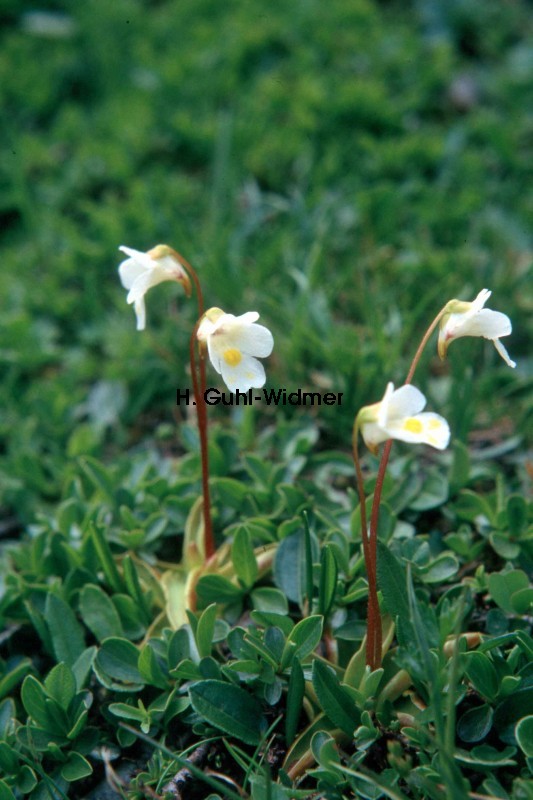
{"x":243,"y":557}
{"x":486,"y":756}
{"x":470,"y":505}
{"x":433,"y":493}
{"x":82,"y":666}
{"x":267,"y":598}
{"x":482,"y":673}
{"x":125,"y":711}
{"x":475,"y":724}
{"x":392,"y":581}
{"x":117,"y":660}
{"x":98,"y":475}
{"x":150,"y":668}
{"x":231,"y":492}
{"x":522,"y":601}
{"x":61,"y":685}
{"x":516,"y":515}
{"x":460,"y":468}
{"x":306,"y":636}
{"x":130,"y":618}
{"x":502,"y":585}
{"x":230,"y":709}
{"x":524,"y":735}
{"x":58,"y":719}
{"x":106,"y":559}
{"x":309,"y":586}
{"x":290,"y":565}
{"x":510,"y":711}
{"x":133,"y":585}
{"x":7,"y":716}
{"x":33,"y":698}
{"x":179,"y":647}
{"x":77,"y":767}
{"x":26,"y":779}
{"x":325,"y":750}
{"x":440,"y":569}
{"x":65,"y":631}
{"x":335,"y":701}
{"x":5,"y":791}
{"x":11,"y":678}
{"x":79,"y":724}
{"x":217,"y":589}
{"x":328,"y":580}
{"x":280,"y":621}
{"x":99,"y":613}
{"x":9,"y":762}
{"x":205,"y":630}
{"x":505,"y":548}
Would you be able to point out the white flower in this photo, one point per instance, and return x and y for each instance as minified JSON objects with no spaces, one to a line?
{"x":471,"y":319}
{"x":234,"y":344}
{"x":140,"y":271}
{"x":398,"y":416}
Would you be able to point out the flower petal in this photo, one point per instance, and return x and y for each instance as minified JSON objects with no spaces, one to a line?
{"x":257,"y":341}
{"x":373,"y":434}
{"x":382,"y":407}
{"x":247,"y":318}
{"x":251,"y":339}
{"x":141,"y":258}
{"x":487,"y":323}
{"x":406,"y":401}
{"x":172,"y":267}
{"x":480,"y":300}
{"x":503,"y":352}
{"x":145,"y":281}
{"x":140,"y":313}
{"x":129,"y":270}
{"x":224,"y":321}
{"x":426,"y":428}
{"x":248,"y":374}
{"x":215,"y":353}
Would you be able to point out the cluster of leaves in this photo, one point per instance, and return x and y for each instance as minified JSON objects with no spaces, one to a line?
{"x":266,"y":680}
{"x":382,"y":145}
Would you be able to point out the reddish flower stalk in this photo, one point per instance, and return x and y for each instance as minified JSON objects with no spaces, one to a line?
{"x":199,"y":389}
{"x":369,"y":536}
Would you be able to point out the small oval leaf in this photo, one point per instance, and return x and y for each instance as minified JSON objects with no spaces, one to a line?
{"x":229,"y":708}
{"x":475,"y":724}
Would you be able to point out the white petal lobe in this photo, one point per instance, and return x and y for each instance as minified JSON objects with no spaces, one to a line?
{"x":504,"y":354}
{"x":129,"y":270}
{"x":405,"y":401}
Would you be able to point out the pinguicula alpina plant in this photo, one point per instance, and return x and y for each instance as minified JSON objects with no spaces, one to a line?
{"x":233,"y":344}
{"x":399,"y":415}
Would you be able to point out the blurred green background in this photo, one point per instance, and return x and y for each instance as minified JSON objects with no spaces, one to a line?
{"x":344,"y":168}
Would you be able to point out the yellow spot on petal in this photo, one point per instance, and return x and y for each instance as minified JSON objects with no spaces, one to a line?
{"x":232,"y":356}
{"x":434,"y":424}
{"x":413,"y":425}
